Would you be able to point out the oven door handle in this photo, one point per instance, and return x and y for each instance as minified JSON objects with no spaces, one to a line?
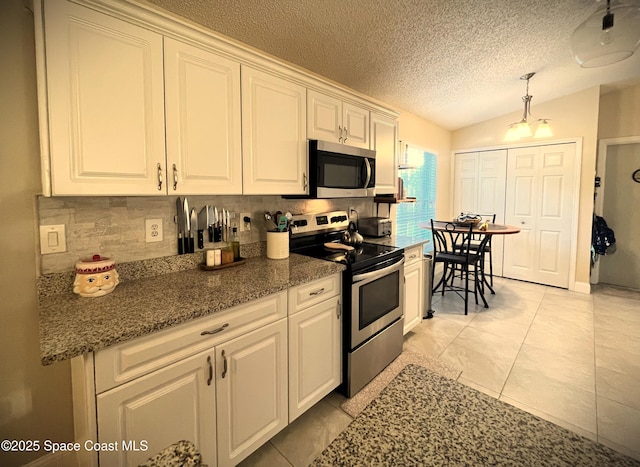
{"x":377,"y":272}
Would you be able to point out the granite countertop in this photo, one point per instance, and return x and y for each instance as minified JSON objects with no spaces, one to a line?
{"x":401,"y":241}
{"x":71,"y":325}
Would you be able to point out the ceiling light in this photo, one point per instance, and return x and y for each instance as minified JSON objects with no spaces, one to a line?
{"x":608,"y":36}
{"x":523,"y":128}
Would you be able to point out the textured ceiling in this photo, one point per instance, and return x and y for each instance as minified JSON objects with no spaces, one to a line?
{"x":454,"y":62}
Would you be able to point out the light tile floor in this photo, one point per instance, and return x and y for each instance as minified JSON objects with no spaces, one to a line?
{"x":570,"y":358}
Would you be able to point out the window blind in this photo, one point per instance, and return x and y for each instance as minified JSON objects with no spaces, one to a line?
{"x":420,"y":183}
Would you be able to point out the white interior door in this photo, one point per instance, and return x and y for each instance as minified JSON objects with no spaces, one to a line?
{"x":539,"y":200}
{"x":480,"y":183}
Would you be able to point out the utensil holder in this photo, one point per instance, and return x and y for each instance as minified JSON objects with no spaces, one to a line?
{"x":278,"y":245}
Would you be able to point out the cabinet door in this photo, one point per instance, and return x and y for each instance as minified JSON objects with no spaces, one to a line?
{"x":355,"y":121}
{"x":324,"y":117}
{"x":202,"y":94}
{"x":168,"y":405}
{"x":105,"y":103}
{"x":314,"y":355}
{"x":384,"y":140}
{"x":413,"y":295}
{"x":251,"y":380}
{"x":274,"y":143}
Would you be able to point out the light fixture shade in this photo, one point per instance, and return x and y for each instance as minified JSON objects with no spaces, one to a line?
{"x":524,"y":130}
{"x":543,"y":130}
{"x":512,"y":134}
{"x":593,"y":46}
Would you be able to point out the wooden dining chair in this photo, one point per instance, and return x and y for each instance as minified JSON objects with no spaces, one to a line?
{"x":453,"y":250}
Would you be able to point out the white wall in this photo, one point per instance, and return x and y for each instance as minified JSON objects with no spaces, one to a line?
{"x":35,"y":401}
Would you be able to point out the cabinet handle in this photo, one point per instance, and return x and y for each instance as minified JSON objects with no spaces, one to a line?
{"x":215,"y":331}
{"x":210,"y":378}
{"x":159,"y":177}
{"x":175,"y":177}
{"x":224,"y":365}
{"x":413,"y":257}
{"x":304,"y":181}
{"x":317,"y":292}
{"x":340,"y":137}
{"x":346,"y":132}
{"x":339,"y":309}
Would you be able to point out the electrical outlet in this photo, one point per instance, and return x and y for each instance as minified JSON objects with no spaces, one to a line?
{"x":244,"y":225}
{"x":153,"y":230}
{"x":351,"y":211}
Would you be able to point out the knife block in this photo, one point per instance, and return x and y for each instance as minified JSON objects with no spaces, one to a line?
{"x":278,"y":245}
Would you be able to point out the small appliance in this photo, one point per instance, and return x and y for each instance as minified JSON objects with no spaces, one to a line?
{"x":375,"y":226}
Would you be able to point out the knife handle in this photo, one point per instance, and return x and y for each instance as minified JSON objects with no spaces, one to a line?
{"x":217,"y":234}
{"x":180,"y":245}
{"x":191,"y":245}
{"x":210,"y":230}
{"x":200,"y":239}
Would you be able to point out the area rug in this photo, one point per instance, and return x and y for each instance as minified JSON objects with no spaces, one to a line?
{"x":357,"y":403}
{"x":422,"y":418}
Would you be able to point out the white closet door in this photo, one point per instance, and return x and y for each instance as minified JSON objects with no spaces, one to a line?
{"x":540,"y":187}
{"x":480,"y":183}
{"x":466,"y":183}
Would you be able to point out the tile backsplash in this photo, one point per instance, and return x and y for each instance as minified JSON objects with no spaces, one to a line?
{"x":115,"y":226}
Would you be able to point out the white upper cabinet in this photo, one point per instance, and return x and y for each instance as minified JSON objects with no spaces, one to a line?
{"x":384,"y":141}
{"x":106,"y":104}
{"x":136,"y":103}
{"x":202,"y":99}
{"x":330,"y":119}
{"x":274,"y":152}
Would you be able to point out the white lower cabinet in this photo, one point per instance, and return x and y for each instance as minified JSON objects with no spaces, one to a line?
{"x":252,"y":391}
{"x":414,"y":288}
{"x":140,"y":418}
{"x":228,"y":382}
{"x":314,"y":354}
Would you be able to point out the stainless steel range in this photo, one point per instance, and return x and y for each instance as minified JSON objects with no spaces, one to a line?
{"x":372,"y":290}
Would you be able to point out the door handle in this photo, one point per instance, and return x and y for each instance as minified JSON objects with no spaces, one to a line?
{"x":210,"y":378}
{"x":159,"y":177}
{"x":224,"y":365}
{"x":175,"y":177}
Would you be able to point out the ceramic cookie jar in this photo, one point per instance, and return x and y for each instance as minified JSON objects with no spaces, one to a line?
{"x":95,"y":277}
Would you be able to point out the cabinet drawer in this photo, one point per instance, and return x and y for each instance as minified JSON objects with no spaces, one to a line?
{"x":124,"y":362}
{"x":413,"y":254}
{"x":314,"y":292}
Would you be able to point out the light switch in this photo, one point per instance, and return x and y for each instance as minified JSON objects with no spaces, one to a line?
{"x":52,"y":239}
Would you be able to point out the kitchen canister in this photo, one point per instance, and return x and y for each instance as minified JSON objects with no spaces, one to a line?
{"x":95,"y":277}
{"x":278,"y":245}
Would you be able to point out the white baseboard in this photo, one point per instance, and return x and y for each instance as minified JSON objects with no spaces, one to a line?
{"x":582,"y":287}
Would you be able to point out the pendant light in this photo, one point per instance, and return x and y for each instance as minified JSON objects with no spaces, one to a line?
{"x":522,"y":129}
{"x":608,"y":36}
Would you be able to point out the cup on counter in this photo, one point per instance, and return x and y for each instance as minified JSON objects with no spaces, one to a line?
{"x":278,"y":245}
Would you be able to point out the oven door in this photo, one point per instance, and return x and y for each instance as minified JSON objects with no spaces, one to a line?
{"x":377,"y":299}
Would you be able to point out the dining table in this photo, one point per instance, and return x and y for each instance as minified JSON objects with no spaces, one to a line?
{"x":458,"y":231}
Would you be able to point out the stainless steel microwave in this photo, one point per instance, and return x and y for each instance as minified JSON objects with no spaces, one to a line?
{"x":340,"y":171}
